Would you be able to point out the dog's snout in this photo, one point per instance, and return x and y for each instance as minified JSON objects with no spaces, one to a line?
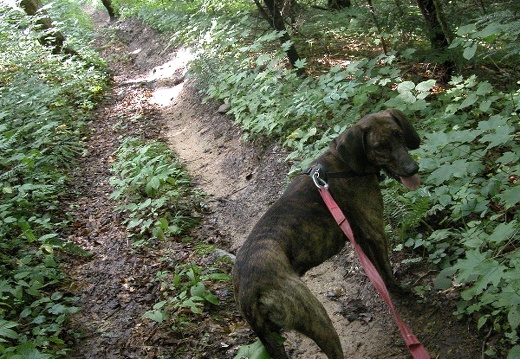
{"x":411,"y":167}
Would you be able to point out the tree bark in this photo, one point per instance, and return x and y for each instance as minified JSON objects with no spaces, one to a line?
{"x":54,"y":38}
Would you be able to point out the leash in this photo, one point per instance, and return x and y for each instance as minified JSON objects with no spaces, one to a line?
{"x":414,"y":345}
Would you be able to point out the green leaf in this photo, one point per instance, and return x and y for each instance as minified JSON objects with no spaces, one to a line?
{"x":501,"y":136}
{"x":300,"y":63}
{"x":218,"y":276}
{"x":490,"y":30}
{"x":484,"y":88}
{"x":6,"y":331}
{"x":468,"y":101}
{"x":407,"y":97}
{"x":144,"y":204}
{"x":405,"y":86}
{"x":134,"y":223}
{"x":503,"y":232}
{"x":262,"y":59}
{"x":491,"y":273}
{"x":466,"y":29}
{"x":160,"y":304}
{"x":508,"y":158}
{"x":514,"y":317}
{"x":470,"y":51}
{"x":481,"y":321}
{"x":466,"y":266}
{"x":26,"y":229}
{"x":510,"y":196}
{"x":444,"y":279}
{"x":463,"y":136}
{"x":253,"y":351}
{"x":492,"y":123}
{"x":211,"y":298}
{"x":198,"y":290}
{"x":155,"y":315}
{"x":152,"y":186}
{"x":28,"y":351}
{"x":425,"y":86}
{"x":514,"y":353}
{"x":446,"y":172}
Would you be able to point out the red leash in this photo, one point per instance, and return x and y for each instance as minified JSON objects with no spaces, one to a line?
{"x":414,"y":345}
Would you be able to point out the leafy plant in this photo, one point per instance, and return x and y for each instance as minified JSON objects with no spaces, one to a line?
{"x":255,"y":350}
{"x":186,"y":289}
{"x":154,"y":189}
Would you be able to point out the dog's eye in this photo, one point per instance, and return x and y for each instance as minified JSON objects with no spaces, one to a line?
{"x":379,"y":146}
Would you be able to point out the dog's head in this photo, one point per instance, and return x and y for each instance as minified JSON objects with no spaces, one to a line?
{"x":381,"y":141}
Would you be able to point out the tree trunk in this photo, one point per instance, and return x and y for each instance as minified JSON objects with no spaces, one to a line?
{"x":438,"y":32}
{"x":53,"y":38}
{"x":110,"y":9}
{"x":275,"y":18}
{"x":376,"y":22}
{"x":437,"y":28}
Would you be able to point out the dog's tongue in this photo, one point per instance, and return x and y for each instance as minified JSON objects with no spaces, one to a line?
{"x":412,"y":182}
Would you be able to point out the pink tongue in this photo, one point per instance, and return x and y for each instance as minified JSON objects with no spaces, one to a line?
{"x":412,"y":183}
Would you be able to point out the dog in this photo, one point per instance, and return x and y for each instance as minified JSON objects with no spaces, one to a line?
{"x":298,"y":232}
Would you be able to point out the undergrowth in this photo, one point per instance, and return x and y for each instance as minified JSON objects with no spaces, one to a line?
{"x":154,"y":191}
{"x":186,"y":291}
{"x":45,"y":101}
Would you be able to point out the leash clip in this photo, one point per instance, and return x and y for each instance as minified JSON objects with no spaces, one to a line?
{"x":318,"y":181}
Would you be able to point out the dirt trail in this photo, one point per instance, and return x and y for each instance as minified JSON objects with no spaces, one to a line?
{"x":241,"y":179}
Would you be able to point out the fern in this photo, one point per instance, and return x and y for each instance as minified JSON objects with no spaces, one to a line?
{"x":13,"y":172}
{"x":7,"y":145}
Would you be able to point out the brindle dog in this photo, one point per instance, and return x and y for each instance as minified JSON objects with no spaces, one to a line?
{"x":297,"y":232}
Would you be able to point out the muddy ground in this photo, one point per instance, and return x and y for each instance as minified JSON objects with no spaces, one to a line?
{"x":151,"y":98}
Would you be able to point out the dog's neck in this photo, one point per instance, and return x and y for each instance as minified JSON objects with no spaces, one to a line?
{"x":333,"y":162}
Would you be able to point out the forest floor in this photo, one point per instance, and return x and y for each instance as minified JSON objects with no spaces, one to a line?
{"x":151,"y":98}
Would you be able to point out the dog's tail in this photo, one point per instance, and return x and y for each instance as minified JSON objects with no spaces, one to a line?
{"x":291,"y":306}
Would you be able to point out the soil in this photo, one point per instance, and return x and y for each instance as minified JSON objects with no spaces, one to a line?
{"x":151,"y":98}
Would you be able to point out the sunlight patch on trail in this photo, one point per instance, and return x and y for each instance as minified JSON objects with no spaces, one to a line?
{"x":173,"y":67}
{"x":170,"y":78}
{"x":164,"y":96}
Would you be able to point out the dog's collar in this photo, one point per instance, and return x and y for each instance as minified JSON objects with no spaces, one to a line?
{"x":324,"y":175}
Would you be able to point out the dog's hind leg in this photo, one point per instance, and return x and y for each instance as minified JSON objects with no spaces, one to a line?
{"x":316,"y":324}
{"x":297,"y":308}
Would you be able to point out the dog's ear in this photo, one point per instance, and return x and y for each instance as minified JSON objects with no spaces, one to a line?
{"x":350,"y":147}
{"x":411,"y":137}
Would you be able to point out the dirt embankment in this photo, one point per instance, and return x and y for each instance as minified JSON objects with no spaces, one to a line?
{"x":151,"y":99}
